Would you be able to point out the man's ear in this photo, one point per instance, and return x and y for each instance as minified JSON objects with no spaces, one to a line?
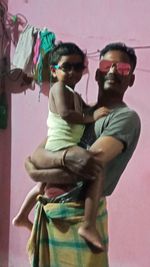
{"x":132,"y":79}
{"x":53,"y":71}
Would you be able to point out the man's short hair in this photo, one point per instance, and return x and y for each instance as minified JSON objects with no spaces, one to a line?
{"x":121,"y":47}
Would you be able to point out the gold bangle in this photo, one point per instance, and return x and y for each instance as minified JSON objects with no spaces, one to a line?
{"x":63,"y":157}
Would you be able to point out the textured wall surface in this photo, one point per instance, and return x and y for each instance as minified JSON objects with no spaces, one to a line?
{"x":91,"y":24}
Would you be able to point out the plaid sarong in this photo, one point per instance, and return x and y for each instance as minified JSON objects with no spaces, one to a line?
{"x":55,"y":242}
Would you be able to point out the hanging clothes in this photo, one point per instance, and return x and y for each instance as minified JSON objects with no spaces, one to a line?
{"x":36,"y":49}
{"x":23,"y":56}
{"x":44,"y":44}
{"x":32,"y":53}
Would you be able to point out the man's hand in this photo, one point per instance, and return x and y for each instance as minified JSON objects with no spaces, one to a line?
{"x":85,"y":164}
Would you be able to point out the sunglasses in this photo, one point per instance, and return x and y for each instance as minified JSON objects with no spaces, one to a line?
{"x":67,"y":67}
{"x":122,"y":67}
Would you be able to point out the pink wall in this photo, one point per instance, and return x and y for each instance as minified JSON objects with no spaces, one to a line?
{"x":91,"y":24}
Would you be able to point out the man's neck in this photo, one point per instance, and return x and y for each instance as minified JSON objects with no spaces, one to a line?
{"x":110,"y":101}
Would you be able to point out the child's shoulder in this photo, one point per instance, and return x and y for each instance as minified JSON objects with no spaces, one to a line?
{"x":61,"y":88}
{"x":57,"y":86}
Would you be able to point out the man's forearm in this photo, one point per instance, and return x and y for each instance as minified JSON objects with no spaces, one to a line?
{"x":52,"y":176}
{"x":77,"y":161}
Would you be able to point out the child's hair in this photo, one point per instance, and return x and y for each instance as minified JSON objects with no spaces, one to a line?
{"x":65,"y":49}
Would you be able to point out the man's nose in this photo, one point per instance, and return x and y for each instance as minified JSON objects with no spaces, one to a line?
{"x":113,"y":68}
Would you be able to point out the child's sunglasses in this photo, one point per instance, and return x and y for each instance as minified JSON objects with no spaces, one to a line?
{"x":122,"y":67}
{"x":67,"y":67}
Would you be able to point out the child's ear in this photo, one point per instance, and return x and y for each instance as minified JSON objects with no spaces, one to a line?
{"x":53,"y":71}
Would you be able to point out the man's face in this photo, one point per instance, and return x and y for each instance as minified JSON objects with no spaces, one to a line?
{"x":115,"y":72}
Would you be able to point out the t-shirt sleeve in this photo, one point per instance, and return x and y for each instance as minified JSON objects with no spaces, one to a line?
{"x":124,"y":127}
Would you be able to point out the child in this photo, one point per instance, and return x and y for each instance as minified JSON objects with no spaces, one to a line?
{"x":66,"y":122}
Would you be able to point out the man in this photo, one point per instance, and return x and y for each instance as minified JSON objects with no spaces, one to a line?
{"x":112,"y":141}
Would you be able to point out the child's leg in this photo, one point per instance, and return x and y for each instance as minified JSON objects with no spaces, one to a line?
{"x":21,"y":219}
{"x":88,"y":230}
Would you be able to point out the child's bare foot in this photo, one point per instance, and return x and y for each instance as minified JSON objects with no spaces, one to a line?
{"x":20,"y":220}
{"x":92,"y":236}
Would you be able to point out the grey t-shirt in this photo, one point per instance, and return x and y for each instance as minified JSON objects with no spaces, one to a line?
{"x":123,"y":124}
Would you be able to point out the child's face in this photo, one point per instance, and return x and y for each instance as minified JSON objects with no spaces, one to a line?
{"x":69,"y":70}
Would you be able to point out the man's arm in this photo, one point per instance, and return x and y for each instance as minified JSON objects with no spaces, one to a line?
{"x":77,"y":160}
{"x":85,"y":164}
{"x":110,"y":148}
{"x":46,"y":166}
{"x":52,"y":176}
{"x":90,"y":163}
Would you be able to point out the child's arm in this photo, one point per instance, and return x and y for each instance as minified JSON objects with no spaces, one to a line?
{"x":64,"y":104}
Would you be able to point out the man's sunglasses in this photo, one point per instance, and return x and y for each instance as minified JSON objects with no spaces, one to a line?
{"x":67,"y":67}
{"x":122,"y":67}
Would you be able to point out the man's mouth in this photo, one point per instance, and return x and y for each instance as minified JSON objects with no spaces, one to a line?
{"x":112,"y":79}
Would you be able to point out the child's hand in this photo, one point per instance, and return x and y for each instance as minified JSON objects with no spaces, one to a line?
{"x":100,"y":112}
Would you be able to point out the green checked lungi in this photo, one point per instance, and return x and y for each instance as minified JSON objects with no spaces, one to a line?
{"x":55,"y":242}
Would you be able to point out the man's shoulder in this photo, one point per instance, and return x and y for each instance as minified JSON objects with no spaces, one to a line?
{"x":122,"y":121}
{"x":125,"y":113}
